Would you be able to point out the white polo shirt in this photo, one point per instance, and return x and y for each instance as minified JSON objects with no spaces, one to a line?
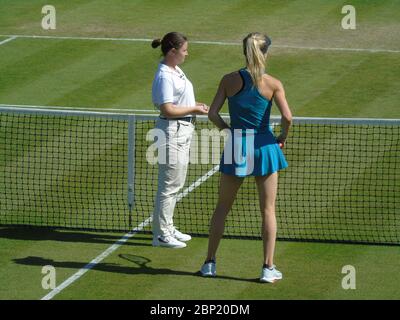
{"x":172,"y":86}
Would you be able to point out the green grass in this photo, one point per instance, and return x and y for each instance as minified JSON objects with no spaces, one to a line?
{"x":88,"y":74}
{"x":137,"y":271}
{"x":108,"y":74}
{"x":97,"y":74}
{"x":25,"y":251}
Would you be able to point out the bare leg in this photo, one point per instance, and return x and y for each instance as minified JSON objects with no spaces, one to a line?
{"x":267,"y":189}
{"x":229,"y":186}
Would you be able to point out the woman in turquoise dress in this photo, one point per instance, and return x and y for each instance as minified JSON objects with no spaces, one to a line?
{"x":251,"y":149}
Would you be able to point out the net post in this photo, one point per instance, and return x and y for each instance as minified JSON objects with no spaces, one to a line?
{"x":131,"y":165}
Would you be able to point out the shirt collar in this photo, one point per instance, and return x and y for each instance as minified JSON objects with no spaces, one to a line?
{"x":178,"y":71}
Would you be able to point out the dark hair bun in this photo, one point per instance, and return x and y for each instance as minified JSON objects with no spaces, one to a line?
{"x":156,"y":43}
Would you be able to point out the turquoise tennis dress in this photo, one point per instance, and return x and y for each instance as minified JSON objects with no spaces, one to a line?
{"x":251,"y":148}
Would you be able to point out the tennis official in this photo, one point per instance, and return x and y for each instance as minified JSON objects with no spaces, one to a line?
{"x":172,"y":94}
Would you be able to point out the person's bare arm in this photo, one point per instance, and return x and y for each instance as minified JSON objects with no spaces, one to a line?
{"x":170,"y":110}
{"x":281,"y":102}
{"x":216,"y":106}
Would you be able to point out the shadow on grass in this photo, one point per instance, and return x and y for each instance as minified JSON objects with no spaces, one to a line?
{"x":53,"y":234}
{"x":140,"y":268}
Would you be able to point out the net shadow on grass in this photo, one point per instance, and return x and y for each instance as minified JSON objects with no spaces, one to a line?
{"x":140,"y":269}
{"x":53,"y":234}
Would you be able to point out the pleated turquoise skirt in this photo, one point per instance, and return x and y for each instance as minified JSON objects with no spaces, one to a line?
{"x":248,"y":153}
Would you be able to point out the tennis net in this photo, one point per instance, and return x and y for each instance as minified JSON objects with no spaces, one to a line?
{"x":91,"y":171}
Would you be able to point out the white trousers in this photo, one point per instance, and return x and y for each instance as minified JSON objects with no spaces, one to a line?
{"x":171,"y":173}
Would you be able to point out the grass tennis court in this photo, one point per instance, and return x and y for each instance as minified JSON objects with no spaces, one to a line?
{"x":85,"y":73}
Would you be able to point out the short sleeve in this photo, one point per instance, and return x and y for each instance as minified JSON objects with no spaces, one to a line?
{"x":163,"y":91}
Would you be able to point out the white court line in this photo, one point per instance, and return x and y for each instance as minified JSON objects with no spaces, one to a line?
{"x":95,"y":261}
{"x":77,"y":38}
{"x":8,"y":40}
{"x":221,"y":43}
{"x":121,"y":241}
{"x":197,"y":183}
{"x":340,"y":49}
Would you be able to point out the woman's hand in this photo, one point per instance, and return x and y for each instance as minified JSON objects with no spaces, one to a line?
{"x":281,"y":139}
{"x":201,"y":109}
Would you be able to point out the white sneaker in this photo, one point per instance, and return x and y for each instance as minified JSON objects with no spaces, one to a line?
{"x":168,"y":242}
{"x":270,"y":275}
{"x":181,"y":236}
{"x":208,"y":269}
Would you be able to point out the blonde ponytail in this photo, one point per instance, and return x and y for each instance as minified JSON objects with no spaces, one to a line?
{"x":255,"y":47}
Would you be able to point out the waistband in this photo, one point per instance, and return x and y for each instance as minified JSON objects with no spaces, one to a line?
{"x":252,"y":130}
{"x":187,"y":119}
